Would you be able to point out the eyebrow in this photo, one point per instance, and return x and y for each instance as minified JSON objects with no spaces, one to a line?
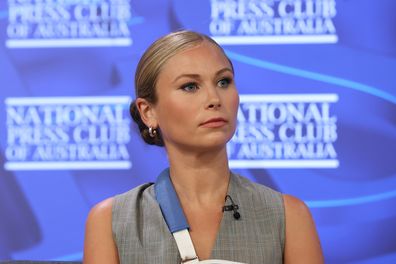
{"x":197,"y":76}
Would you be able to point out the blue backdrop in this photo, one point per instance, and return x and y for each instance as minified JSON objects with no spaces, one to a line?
{"x":317,"y":117}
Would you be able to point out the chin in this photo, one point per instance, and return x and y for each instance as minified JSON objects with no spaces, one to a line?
{"x":214,"y":142}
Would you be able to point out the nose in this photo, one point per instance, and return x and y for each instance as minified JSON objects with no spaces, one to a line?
{"x":213,"y":99}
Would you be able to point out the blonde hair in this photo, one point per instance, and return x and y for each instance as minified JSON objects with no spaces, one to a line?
{"x":150,"y":66}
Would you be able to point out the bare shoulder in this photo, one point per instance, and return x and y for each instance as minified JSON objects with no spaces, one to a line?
{"x":295,"y":207}
{"x":101,"y":210}
{"x":302,"y":243}
{"x":99,"y":246}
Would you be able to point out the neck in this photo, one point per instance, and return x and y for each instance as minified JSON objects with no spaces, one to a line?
{"x":200,"y":177}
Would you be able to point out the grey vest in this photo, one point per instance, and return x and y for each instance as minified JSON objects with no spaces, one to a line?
{"x":142,"y":236}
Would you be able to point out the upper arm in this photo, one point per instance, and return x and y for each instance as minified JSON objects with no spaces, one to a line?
{"x":301,"y":242}
{"x":99,"y":246}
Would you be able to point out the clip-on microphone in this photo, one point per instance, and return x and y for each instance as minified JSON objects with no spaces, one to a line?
{"x":232,"y":207}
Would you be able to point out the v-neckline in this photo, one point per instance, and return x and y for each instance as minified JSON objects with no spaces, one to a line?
{"x":173,"y":214}
{"x":226,"y":217}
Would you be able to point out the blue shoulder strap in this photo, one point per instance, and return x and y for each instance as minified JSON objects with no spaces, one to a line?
{"x":169,"y":203}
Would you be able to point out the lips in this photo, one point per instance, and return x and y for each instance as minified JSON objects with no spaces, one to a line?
{"x":214,"y":122}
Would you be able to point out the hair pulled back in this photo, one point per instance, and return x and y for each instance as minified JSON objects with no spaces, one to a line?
{"x":149,"y":68}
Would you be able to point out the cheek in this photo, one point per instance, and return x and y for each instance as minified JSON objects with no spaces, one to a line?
{"x":175,"y":113}
{"x":235,"y":102}
{"x":178,"y":107}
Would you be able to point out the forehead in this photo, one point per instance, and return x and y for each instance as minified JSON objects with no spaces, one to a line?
{"x":202,"y":55}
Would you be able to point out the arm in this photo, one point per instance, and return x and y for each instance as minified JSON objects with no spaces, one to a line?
{"x":99,"y":246}
{"x":301,"y":243}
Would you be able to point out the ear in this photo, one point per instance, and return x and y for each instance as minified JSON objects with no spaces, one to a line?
{"x":147,"y":112}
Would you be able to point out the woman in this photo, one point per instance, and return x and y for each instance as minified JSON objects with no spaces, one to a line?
{"x":186,"y":100}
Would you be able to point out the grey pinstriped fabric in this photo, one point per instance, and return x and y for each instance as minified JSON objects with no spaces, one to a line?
{"x":142,"y":235}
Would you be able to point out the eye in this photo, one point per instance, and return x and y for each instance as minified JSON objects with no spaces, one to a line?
{"x":224,"y":83}
{"x":190,"y":87}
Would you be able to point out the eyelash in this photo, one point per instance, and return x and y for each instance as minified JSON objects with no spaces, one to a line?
{"x":187,"y":85}
{"x":190,"y":84}
{"x":227,"y":79}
